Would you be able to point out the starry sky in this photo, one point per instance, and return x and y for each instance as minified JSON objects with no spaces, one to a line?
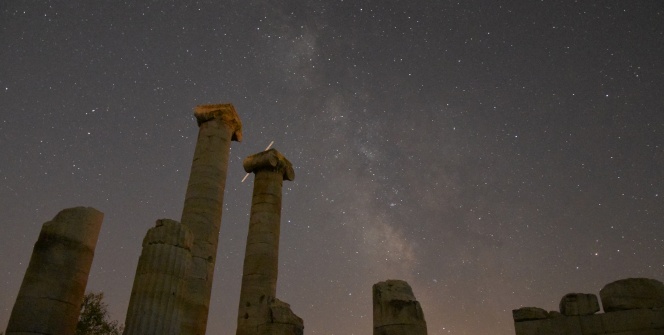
{"x":494,"y":154}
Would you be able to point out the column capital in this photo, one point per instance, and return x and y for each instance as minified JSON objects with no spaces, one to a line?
{"x":223,"y":112}
{"x":270,"y":160}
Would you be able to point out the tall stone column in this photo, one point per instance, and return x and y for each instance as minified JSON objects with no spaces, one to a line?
{"x":259,"y":311}
{"x":156,"y":303}
{"x":396,"y":311}
{"x":218,"y":126}
{"x":49,"y":300}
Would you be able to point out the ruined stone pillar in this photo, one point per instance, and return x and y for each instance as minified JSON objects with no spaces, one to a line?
{"x":259,"y":311}
{"x":218,"y":126}
{"x":156,"y":303}
{"x":395,"y":310}
{"x":49,"y":300}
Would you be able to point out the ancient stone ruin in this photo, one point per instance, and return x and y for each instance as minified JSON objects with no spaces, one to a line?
{"x":171,"y":293}
{"x":633,"y":306}
{"x":172,"y":285}
{"x":396,"y":311}
{"x":158,"y":293}
{"x":173,"y":281}
{"x":49,"y":300}
{"x":218,"y":126}
{"x":260,"y":312}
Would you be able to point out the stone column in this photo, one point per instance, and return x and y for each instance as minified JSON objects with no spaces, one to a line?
{"x":49,"y":300}
{"x":155,"y":306}
{"x":396,"y":311}
{"x":218,"y":126}
{"x":259,"y":311}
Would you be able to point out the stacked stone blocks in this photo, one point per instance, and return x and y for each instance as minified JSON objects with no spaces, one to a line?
{"x":49,"y":300}
{"x":396,"y":311}
{"x":259,"y":311}
{"x":218,"y":124}
{"x":633,"y":306}
{"x":155,"y":306}
{"x":173,"y":283}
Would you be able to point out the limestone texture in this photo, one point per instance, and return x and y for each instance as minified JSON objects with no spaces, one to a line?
{"x":218,"y":125}
{"x":396,"y":311}
{"x":282,"y":321}
{"x":49,"y":300}
{"x":259,"y":311}
{"x":158,"y":294}
{"x":578,"y":313}
{"x":529,"y":313}
{"x":579,"y":304}
{"x":632,"y":293}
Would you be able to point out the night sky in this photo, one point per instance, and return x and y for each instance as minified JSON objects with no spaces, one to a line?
{"x":494,"y":154}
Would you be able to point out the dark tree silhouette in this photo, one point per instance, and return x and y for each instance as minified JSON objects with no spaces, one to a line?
{"x":94,"y":317}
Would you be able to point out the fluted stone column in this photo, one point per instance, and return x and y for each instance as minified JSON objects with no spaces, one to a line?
{"x":259,"y":311}
{"x":49,"y":300}
{"x":218,"y":126}
{"x":156,"y":303}
{"x":396,"y":311}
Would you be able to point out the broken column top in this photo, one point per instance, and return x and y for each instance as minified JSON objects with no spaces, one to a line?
{"x":169,"y":232}
{"x":395,"y":309}
{"x":80,"y":224}
{"x":271,"y":160}
{"x":223,"y":112}
{"x":394,"y":289}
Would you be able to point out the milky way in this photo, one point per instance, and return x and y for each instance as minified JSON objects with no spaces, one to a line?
{"x":494,"y":154}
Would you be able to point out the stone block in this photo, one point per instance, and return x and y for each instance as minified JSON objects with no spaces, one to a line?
{"x":579,"y":304}
{"x":658,"y":318}
{"x":591,"y":324}
{"x":395,"y":309}
{"x":527,"y":327}
{"x":648,"y":332}
{"x":529,"y":313}
{"x":632,"y":293}
{"x":158,"y":295}
{"x":556,"y":326}
{"x":218,"y":124}
{"x":54,"y":284}
{"x":628,"y":320}
{"x":281,"y":313}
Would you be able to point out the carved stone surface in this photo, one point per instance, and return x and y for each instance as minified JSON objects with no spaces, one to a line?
{"x":579,"y":304}
{"x":396,"y":311}
{"x":259,"y":311}
{"x":632,"y":310}
{"x":632,"y":293}
{"x":218,"y":126}
{"x":224,"y":113}
{"x":282,"y":321}
{"x":269,"y":160}
{"x":157,"y":297}
{"x":529,"y":313}
{"x":49,"y":300}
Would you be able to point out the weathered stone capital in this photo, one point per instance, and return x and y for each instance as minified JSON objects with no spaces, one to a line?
{"x":224,"y":113}
{"x":270,"y":160}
